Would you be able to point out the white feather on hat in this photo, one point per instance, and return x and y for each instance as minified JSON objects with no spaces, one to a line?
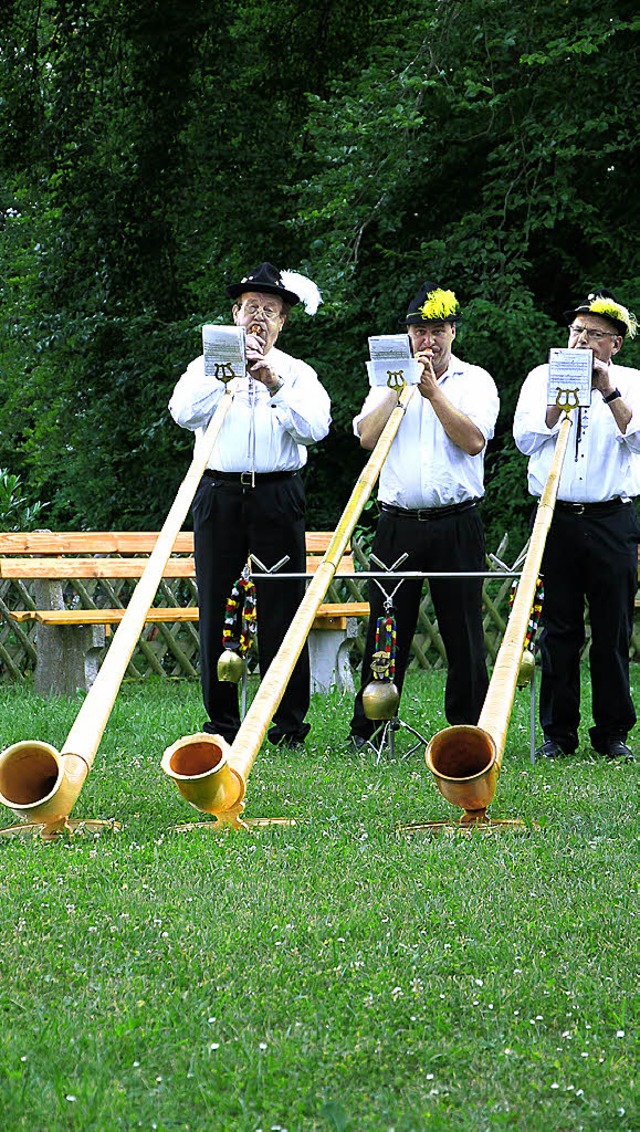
{"x":304,"y":288}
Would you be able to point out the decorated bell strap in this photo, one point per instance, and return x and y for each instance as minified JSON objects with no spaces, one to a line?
{"x":536,"y":610}
{"x":383,"y":661}
{"x":240,"y":618}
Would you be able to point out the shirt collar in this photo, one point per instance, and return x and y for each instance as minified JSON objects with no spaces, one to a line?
{"x":455,"y":367}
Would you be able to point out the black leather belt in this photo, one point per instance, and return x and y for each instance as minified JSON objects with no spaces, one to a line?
{"x":249,"y":479}
{"x":425,"y":514}
{"x":602,"y":508}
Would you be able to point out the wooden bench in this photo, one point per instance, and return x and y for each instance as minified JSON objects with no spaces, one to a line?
{"x":70,"y":641}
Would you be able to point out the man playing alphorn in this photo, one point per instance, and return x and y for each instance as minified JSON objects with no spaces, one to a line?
{"x":591,"y":550}
{"x":430,"y":487}
{"x":251,"y":498}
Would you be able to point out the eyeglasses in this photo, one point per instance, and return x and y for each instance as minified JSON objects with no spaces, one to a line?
{"x":592,"y":335}
{"x":254,"y":309}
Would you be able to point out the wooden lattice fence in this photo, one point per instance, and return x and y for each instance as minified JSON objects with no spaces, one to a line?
{"x":172,"y":650}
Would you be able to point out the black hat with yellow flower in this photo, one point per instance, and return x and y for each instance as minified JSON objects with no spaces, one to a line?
{"x":432,"y":303}
{"x":605,"y":304}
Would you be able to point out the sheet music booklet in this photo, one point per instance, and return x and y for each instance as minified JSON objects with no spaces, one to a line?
{"x":569,"y":378}
{"x":391,"y":363}
{"x":224,"y":351}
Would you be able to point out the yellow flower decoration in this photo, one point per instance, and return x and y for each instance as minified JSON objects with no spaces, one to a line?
{"x":609,"y":309}
{"x":439,"y":305}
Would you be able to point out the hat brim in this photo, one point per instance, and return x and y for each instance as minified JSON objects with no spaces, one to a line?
{"x":235,"y":290}
{"x":418,"y":320}
{"x":586,"y":309}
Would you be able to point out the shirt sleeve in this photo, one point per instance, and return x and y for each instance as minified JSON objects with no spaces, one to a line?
{"x":374,"y":398}
{"x":628,"y":381}
{"x":301,"y":406}
{"x":482,"y":403}
{"x":195,"y":397}
{"x":530,"y":430}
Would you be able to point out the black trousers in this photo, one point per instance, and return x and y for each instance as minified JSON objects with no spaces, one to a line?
{"x":229,"y":521}
{"x":593,"y":558}
{"x":450,"y":544}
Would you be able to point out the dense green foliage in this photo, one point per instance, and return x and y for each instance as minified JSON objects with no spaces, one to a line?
{"x":154,"y":150}
{"x":16,"y":512}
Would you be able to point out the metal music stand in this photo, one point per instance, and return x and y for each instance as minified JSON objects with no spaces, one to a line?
{"x":385,"y":734}
{"x":384,"y":737}
{"x":265,"y":570}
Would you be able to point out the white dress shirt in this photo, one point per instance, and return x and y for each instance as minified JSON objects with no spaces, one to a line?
{"x":260,"y":433}
{"x":601,"y":462}
{"x":424,"y":467}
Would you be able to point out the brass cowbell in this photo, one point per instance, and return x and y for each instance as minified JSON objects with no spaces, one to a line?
{"x":380,"y":699}
{"x":230,"y":667}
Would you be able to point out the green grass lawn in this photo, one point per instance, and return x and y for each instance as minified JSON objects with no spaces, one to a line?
{"x":340,"y":973}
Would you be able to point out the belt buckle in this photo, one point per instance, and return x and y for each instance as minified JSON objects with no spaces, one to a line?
{"x":579,"y":508}
{"x":423,"y":515}
{"x":248,"y":479}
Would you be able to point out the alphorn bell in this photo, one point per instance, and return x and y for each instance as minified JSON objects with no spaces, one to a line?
{"x":209,"y":773}
{"x":464,"y":760}
{"x":37,"y":783}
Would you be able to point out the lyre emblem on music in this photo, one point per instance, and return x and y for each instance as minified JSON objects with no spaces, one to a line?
{"x":395,"y":379}
{"x":568,"y":399}
{"x":224,"y":371}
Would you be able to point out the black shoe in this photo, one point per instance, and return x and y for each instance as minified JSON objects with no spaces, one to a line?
{"x":288,"y":743}
{"x":358,"y":742}
{"x":617,"y":749}
{"x":291,"y":740}
{"x":550,"y":750}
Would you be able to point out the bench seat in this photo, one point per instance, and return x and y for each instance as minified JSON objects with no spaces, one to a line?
{"x":333,"y":615}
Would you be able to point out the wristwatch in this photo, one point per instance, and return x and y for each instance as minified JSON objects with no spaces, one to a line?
{"x":612,"y":396}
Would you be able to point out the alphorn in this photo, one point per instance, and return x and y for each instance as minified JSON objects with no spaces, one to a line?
{"x":464,"y":760}
{"x":209,"y":773}
{"x":38,"y":783}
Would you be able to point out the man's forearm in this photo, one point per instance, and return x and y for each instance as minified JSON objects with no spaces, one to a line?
{"x":457,"y":425}
{"x":371,"y":427}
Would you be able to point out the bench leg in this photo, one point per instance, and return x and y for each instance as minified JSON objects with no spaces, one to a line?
{"x":329,"y":659}
{"x":68,"y":658}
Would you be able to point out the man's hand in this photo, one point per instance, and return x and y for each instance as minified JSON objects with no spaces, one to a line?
{"x":258,"y":368}
{"x":428,"y":384}
{"x":255,"y":346}
{"x":600,"y":378}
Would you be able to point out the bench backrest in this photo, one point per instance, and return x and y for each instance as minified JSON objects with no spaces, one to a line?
{"x":115,"y":554}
